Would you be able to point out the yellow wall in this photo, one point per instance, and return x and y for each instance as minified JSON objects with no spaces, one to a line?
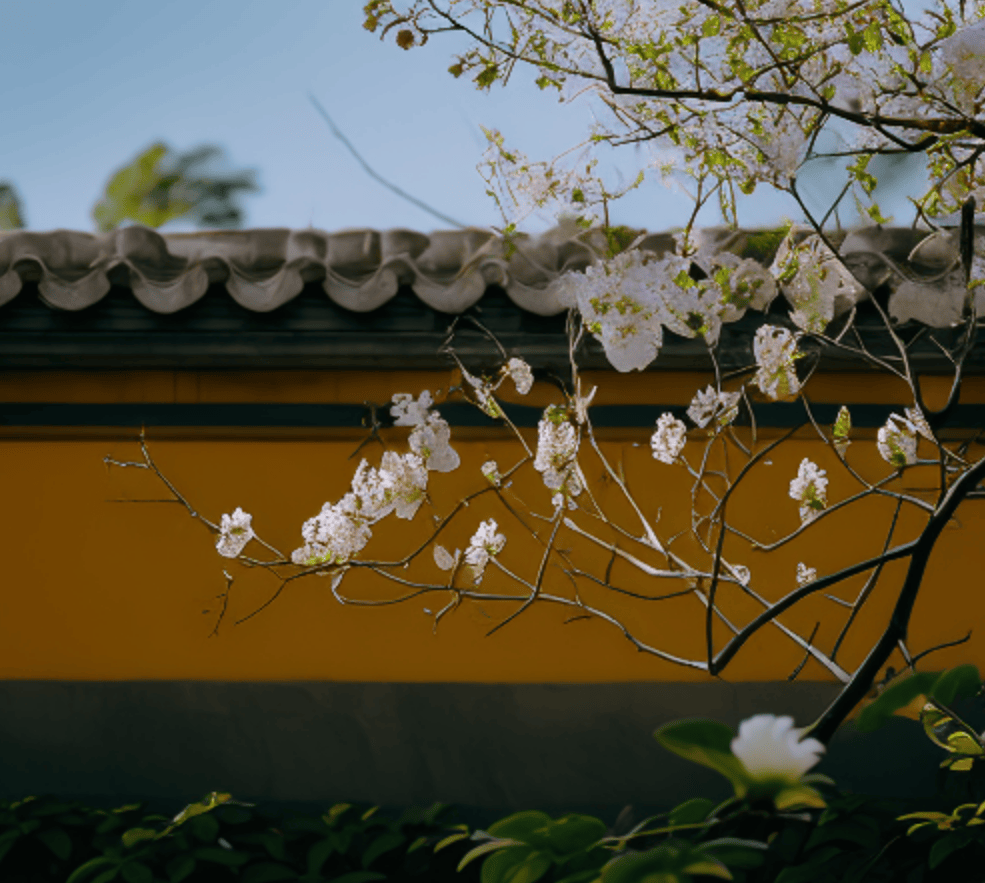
{"x":101,"y":590}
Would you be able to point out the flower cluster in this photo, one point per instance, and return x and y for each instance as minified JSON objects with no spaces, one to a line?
{"x":776,"y":351}
{"x":805,"y":574}
{"x":490,"y":469}
{"x":669,"y":438}
{"x":431,"y":434}
{"x":522,"y":375}
{"x":556,"y":458}
{"x":809,"y":489}
{"x":815,"y":281}
{"x":711,"y":405}
{"x":341,"y":530}
{"x":484,"y":544}
{"x":235,"y":532}
{"x":897,"y":441}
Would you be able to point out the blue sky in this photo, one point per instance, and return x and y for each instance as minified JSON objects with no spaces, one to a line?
{"x":86,"y":86}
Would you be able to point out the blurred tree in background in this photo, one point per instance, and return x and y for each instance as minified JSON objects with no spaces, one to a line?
{"x":158,"y":186}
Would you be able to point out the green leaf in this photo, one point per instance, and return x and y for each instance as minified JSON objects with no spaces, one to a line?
{"x":736,"y":852}
{"x":797,"y":797}
{"x":180,"y":867}
{"x":82,"y":871}
{"x":848,"y":830}
{"x":204,"y":828}
{"x":359,"y":877}
{"x":228,"y":857}
{"x":712,"y":26}
{"x":268,"y":872}
{"x":11,"y":213}
{"x":384,"y":843}
{"x":57,"y":841}
{"x":945,"y":846}
{"x":135,"y":872}
{"x":574,"y":833}
{"x":318,"y":855}
{"x":708,"y":743}
{"x":106,"y":876}
{"x":136,"y":835}
{"x":448,"y":841}
{"x":961,"y":682}
{"x":517,"y":864}
{"x":691,"y":811}
{"x":369,"y":813}
{"x":893,"y":698}
{"x":948,"y":731}
{"x":709,"y":867}
{"x":521,"y":825}
{"x":483,"y":848}
{"x":590,"y":875}
{"x":662,"y":864}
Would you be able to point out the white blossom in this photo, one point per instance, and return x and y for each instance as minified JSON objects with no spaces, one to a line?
{"x":235,"y":532}
{"x":490,"y":469}
{"x":484,"y":393}
{"x":669,"y":438}
{"x":809,"y":489}
{"x":409,"y":478}
{"x":741,"y":573}
{"x":485,"y":542}
{"x":805,"y":574}
{"x":622,"y":302}
{"x":522,"y":375}
{"x":557,"y":441}
{"x":430,"y":441}
{"x":915,"y":418}
{"x":815,"y":281}
{"x":842,"y":430}
{"x":776,"y":351}
{"x":581,"y":404}
{"x":770,"y":748}
{"x":444,"y":559}
{"x":709,"y":404}
{"x":964,"y":55}
{"x":407,"y":412}
{"x":335,"y":535}
{"x":897,"y":441}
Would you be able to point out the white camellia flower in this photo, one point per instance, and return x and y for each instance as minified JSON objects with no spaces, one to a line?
{"x":805,"y":574}
{"x":809,"y":489}
{"x":776,"y":351}
{"x":897,"y":441}
{"x":485,"y":542}
{"x":235,"y":533}
{"x":522,"y":376}
{"x":769,"y":747}
{"x":709,"y":404}
{"x":669,"y":438}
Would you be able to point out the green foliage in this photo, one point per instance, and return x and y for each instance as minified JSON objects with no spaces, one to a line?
{"x":11,"y":213}
{"x":160,"y":185}
{"x":944,"y":687}
{"x":217,"y":839}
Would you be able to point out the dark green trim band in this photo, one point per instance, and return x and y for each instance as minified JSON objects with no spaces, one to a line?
{"x":259,"y":414}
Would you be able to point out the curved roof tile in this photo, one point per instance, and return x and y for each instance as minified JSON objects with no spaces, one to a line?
{"x":448,"y":270}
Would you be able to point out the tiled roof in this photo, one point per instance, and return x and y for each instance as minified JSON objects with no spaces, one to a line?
{"x":449,"y":271}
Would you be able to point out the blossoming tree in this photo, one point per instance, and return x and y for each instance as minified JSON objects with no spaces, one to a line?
{"x":732,"y":94}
